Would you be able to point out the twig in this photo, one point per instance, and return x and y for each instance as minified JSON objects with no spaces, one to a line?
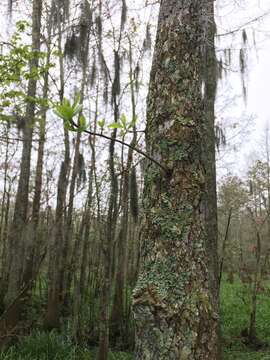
{"x":123,"y":143}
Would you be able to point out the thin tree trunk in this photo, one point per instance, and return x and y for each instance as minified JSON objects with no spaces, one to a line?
{"x":209,"y":97}
{"x":82,"y":256}
{"x":34,"y":243}
{"x":18,"y":227}
{"x":118,"y":308}
{"x":105,"y":294}
{"x":66,"y":272}
{"x":4,"y":227}
{"x":257,"y":277}
{"x":52,"y":319}
{"x":224,"y":244}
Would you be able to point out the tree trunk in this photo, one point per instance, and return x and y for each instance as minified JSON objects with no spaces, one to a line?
{"x":4,"y":226}
{"x":174,"y":306}
{"x":118,"y":315}
{"x":33,"y":244}
{"x":257,"y":278}
{"x":56,"y":247}
{"x":67,"y":265}
{"x":108,"y":240}
{"x":18,"y":227}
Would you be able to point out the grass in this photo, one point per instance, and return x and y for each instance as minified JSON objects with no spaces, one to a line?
{"x":52,"y":346}
{"x":235,"y":304}
{"x":234,"y":314}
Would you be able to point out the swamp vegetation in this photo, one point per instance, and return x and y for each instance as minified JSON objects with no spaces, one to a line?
{"x":116,"y":240}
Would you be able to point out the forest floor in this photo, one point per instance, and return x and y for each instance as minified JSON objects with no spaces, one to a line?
{"x":235,"y":318}
{"x":235,"y":314}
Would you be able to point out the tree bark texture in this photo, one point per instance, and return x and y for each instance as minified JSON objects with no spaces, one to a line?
{"x":174,"y":304}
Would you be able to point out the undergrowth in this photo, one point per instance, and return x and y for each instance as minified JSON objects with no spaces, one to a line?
{"x":235,"y":305}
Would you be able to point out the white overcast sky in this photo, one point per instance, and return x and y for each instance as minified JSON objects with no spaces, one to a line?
{"x":232,"y":15}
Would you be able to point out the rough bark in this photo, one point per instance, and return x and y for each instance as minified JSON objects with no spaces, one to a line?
{"x":174,"y":306}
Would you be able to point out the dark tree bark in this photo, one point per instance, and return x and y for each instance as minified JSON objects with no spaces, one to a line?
{"x":209,"y":97}
{"x":175,"y":300}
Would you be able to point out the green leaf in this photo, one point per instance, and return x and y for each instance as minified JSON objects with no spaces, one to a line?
{"x":77,"y":110}
{"x":69,"y":126}
{"x":66,"y":111}
{"x":82,"y":123}
{"x":123,"y":120}
{"x":101,"y":123}
{"x":76,"y":101}
{"x":116,"y":126}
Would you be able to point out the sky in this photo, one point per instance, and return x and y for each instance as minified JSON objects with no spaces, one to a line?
{"x":251,"y":117}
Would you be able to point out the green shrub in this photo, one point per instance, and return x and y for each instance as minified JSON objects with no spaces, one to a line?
{"x":53,"y":346}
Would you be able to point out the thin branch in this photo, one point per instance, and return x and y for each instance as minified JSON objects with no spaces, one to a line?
{"x":123,"y":143}
{"x":245,"y":24}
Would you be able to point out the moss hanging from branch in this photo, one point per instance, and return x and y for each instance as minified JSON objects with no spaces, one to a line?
{"x":147,"y":43}
{"x":77,"y":40}
{"x":116,"y":81}
{"x":220,"y":68}
{"x":93,"y":72}
{"x":244,"y":36}
{"x":10,"y":7}
{"x":219,"y":137}
{"x":243,"y":63}
{"x":136,"y":76}
{"x":243,"y":67}
{"x":85,"y":26}
{"x":72,"y":45}
{"x":99,"y":30}
{"x":81,"y":171}
{"x":106,"y":88}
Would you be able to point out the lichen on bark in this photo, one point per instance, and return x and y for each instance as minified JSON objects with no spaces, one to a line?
{"x":174,"y":306}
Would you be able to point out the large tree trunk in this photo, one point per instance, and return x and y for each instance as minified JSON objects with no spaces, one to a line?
{"x":174,"y":303}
